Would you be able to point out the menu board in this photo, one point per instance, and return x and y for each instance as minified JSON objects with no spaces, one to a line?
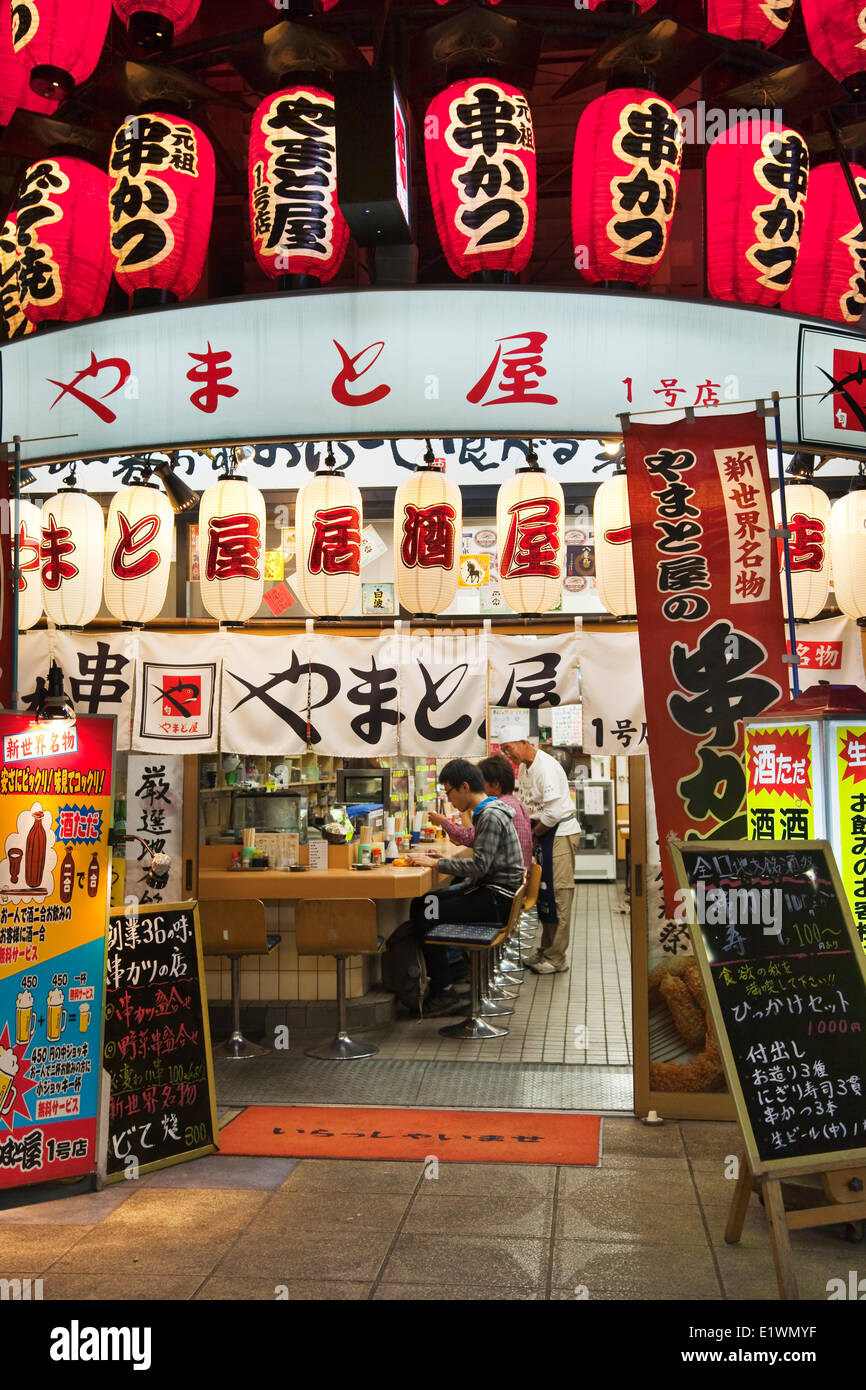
{"x":567,"y":726}
{"x":786,"y":983}
{"x":55,"y":875}
{"x":157,"y":1040}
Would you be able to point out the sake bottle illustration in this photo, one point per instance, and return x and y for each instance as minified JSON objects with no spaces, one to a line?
{"x":93,"y":876}
{"x":34,"y":849}
{"x":67,"y":876}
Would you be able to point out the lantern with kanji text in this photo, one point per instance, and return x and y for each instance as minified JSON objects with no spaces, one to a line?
{"x":61,"y":233}
{"x":848,"y":552}
{"x":58,"y":42}
{"x":15,"y":89}
{"x":297,"y":227}
{"x":232,"y":549}
{"x":15,"y":321}
{"x":614,"y":563}
{"x":808,"y":510}
{"x":480,"y":150}
{"x":428,"y":517}
{"x":750,"y":21}
{"x":625,"y":177}
{"x":328,"y":525}
{"x":530,"y":540}
{"x":757,"y":180}
{"x":156,"y":23}
{"x":29,"y":581}
{"x":836,"y":30}
{"x":138,"y":553}
{"x":71,"y":554}
{"x":161,"y":205}
{"x":830,"y":279}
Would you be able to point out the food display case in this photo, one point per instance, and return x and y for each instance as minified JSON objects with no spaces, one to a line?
{"x":596,"y":811}
{"x":279,"y":812}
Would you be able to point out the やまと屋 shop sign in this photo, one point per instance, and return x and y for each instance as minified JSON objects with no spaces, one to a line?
{"x":461,"y":361}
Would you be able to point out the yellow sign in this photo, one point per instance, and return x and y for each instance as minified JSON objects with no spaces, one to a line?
{"x":780,"y":778}
{"x":275,"y":564}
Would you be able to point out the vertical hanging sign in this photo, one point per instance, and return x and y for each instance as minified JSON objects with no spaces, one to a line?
{"x":55,"y":812}
{"x":709,"y":614}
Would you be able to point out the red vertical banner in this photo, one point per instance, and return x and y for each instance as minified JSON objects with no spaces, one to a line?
{"x":709,"y":615}
{"x":7,"y":590}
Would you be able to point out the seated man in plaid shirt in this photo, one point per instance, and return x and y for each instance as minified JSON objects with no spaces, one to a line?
{"x":485,"y":882}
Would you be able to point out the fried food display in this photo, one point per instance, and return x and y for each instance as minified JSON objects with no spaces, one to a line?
{"x":677,"y":983}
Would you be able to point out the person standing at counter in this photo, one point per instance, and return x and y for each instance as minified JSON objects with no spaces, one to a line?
{"x":498,"y":777}
{"x":485,"y":881}
{"x":543,"y":788}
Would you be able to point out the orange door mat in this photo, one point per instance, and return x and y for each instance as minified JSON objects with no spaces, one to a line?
{"x":457,"y":1136}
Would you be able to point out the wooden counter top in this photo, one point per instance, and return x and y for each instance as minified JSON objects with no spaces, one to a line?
{"x":268,"y":884}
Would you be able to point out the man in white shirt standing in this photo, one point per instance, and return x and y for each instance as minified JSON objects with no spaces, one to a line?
{"x":543,"y":788}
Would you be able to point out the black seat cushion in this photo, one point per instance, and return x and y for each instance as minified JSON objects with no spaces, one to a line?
{"x":464,"y":933}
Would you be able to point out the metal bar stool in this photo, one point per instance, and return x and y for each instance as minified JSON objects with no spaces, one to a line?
{"x":340,"y":927}
{"x":235,"y":927}
{"x":477,"y":938}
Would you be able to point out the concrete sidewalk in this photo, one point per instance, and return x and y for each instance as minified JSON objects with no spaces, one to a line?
{"x":648,"y":1224}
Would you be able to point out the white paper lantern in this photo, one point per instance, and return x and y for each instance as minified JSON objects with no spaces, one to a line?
{"x":428,"y":518}
{"x":71,"y":556}
{"x":614,"y":561}
{"x":809,"y":523}
{"x":138,"y":553}
{"x":328,"y":525}
{"x":530,"y":541}
{"x":848,"y":553}
{"x":29,"y":581}
{"x":231,"y":539}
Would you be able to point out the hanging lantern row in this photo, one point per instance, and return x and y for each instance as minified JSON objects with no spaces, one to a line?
{"x":69,"y":558}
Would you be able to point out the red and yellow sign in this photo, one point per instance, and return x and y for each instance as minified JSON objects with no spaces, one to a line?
{"x":55,"y":869}
{"x":780,"y":783}
{"x":850,"y":773}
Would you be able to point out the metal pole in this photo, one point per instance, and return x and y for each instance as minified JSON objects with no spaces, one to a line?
{"x":783,"y":507}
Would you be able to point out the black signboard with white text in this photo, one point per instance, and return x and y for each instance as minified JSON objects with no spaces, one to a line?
{"x":157,"y":1040}
{"x":786,"y":981}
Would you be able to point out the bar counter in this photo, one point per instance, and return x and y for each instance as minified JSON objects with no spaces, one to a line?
{"x":380,"y":883}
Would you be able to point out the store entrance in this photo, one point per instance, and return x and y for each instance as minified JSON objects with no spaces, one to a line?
{"x":567,"y":1036}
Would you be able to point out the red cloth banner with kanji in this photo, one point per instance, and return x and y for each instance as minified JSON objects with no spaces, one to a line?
{"x":709,"y":615}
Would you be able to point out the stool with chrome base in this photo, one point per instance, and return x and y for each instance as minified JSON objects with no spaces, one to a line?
{"x":235,"y":927}
{"x":477,"y":938}
{"x":340,"y":927}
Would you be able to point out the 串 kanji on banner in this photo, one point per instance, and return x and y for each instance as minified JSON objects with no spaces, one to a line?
{"x":709,"y":614}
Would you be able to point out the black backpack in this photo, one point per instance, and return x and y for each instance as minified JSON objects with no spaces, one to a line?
{"x":404,"y":970}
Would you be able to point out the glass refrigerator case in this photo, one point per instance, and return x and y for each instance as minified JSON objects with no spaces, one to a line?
{"x":282,"y":812}
{"x":596,"y":811}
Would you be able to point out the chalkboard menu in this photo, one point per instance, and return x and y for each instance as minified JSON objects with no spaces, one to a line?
{"x":785,"y":977}
{"x":157,"y":1040}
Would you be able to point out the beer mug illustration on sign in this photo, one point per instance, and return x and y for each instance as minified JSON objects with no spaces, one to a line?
{"x":56,"y":1015}
{"x":8,"y":1072}
{"x":83,"y":1018}
{"x":25,"y":1018}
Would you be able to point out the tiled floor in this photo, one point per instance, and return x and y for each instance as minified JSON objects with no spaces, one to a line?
{"x":647,"y":1224}
{"x":582,"y":1016}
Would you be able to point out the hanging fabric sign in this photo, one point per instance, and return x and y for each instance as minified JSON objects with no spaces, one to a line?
{"x":362,"y":716}
{"x":98,"y":672}
{"x":614,"y":718}
{"x":443,"y":693}
{"x":266,"y":691}
{"x":709,"y":614}
{"x":177,"y":694}
{"x":830,"y":651}
{"x":154,"y":810}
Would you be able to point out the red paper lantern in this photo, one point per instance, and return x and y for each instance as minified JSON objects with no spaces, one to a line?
{"x":156,"y":21}
{"x":751,"y":21}
{"x":625,"y":177}
{"x":17,"y":325}
{"x":161,"y":203}
{"x":836,"y":30}
{"x":59,"y":43}
{"x":296,"y":223}
{"x":830,"y":279}
{"x":15,"y":89}
{"x":64,"y":264}
{"x":481,"y":169}
{"x":757,"y":180}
